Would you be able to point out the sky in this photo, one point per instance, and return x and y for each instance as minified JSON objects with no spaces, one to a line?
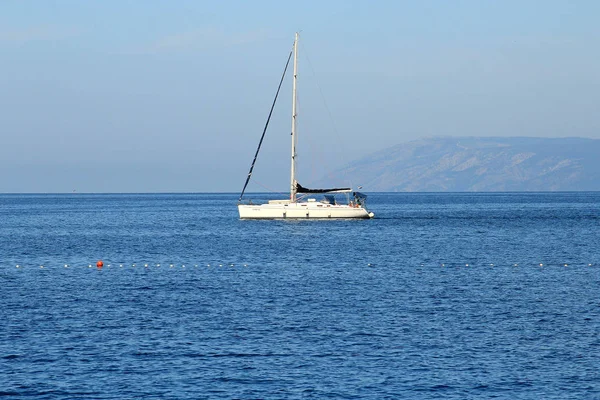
{"x":172,"y":96}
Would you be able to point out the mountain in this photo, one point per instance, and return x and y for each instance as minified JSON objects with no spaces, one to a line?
{"x":481,"y":164}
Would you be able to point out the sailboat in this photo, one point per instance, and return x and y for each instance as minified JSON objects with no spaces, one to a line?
{"x":302,"y":203}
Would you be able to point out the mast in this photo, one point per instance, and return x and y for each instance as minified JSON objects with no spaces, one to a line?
{"x":293,"y":177}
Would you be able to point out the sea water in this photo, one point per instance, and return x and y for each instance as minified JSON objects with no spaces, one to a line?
{"x":440,"y":296}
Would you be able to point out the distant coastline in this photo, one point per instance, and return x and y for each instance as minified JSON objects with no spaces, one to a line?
{"x":482,"y":164}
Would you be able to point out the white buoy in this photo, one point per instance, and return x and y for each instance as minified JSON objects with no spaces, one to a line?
{"x":183,"y":266}
{"x":146,"y":265}
{"x":18,"y":266}
{"x":41,"y":266}
{"x":541,"y":265}
{"x":121,"y":265}
{"x":66,"y":266}
{"x":589,"y":265}
{"x":90,"y":266}
{"x":245,"y":265}
{"x":466,"y":265}
{"x":133,"y":265}
{"x":231,"y":265}
{"x":516,"y":265}
{"x":196,"y":265}
{"x":491,"y":265}
{"x":208,"y":265}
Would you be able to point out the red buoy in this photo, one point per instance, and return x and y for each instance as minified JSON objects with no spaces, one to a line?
{"x":99,"y":264}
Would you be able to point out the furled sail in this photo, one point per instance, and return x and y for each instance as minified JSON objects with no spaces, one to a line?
{"x":302,"y":189}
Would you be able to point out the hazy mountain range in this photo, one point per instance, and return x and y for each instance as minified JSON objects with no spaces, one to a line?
{"x":481,"y":164}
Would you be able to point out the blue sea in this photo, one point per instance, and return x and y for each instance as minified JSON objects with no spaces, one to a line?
{"x":442,"y":295}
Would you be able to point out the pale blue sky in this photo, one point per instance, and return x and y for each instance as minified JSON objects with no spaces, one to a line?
{"x":144,"y":96}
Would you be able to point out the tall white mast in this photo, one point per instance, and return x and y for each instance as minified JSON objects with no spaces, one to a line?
{"x":293,"y":179}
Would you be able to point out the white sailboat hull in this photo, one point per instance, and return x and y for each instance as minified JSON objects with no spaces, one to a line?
{"x":301,"y":211}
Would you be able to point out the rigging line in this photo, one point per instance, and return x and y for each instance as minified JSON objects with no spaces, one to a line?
{"x":265,"y":129}
{"x":344,"y":160}
{"x":269,"y":189}
{"x":314,"y":150}
{"x":308,"y":139}
{"x":316,"y":155}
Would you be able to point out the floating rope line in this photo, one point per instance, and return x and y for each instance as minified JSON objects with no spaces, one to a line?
{"x":371,"y":264}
